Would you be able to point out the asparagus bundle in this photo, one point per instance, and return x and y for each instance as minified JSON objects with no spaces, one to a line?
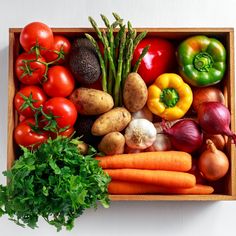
{"x":118,"y":53}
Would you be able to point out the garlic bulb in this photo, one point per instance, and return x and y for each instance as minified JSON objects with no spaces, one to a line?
{"x":140,"y":134}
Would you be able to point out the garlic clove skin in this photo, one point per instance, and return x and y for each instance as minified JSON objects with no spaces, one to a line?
{"x":145,"y":113}
{"x":140,"y":134}
{"x":162,"y":143}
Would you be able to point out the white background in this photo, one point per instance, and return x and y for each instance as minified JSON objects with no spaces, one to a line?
{"x":122,"y":218}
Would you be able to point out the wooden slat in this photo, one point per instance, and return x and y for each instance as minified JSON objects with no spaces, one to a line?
{"x":211,"y":197}
{"x":11,"y":93}
{"x":165,"y":32}
{"x":231,"y":100}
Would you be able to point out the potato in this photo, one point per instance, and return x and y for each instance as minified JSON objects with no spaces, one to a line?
{"x":114,"y":120}
{"x":91,"y":101}
{"x":135,"y":92}
{"x":112,"y":143}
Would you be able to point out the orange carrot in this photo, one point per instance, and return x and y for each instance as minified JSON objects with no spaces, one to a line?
{"x":166,"y":160}
{"x":164,"y":178}
{"x":122,"y":187}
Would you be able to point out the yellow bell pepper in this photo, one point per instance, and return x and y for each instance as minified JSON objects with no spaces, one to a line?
{"x":169,"y":97}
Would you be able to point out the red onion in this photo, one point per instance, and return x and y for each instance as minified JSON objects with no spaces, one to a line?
{"x":185,"y":135}
{"x":214,"y":118}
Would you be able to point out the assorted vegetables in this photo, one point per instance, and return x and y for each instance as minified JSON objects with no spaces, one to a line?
{"x":157,"y":132}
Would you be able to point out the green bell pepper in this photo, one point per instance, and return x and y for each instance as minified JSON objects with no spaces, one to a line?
{"x":202,"y":60}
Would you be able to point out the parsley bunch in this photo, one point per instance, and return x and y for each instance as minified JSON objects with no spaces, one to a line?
{"x":55,"y":182}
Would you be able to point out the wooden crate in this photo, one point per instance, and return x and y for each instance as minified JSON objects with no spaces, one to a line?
{"x":225,"y":35}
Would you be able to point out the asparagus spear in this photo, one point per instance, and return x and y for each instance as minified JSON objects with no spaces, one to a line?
{"x":102,"y":64}
{"x":109,"y":55}
{"x":119,"y":67}
{"x":94,"y":25}
{"x":137,"y":63}
{"x":110,"y":37}
{"x":139,"y":38}
{"x":117,"y":17}
{"x":129,"y":56}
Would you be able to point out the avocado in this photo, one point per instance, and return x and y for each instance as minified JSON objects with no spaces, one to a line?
{"x":84,"y":43}
{"x":83,"y":62}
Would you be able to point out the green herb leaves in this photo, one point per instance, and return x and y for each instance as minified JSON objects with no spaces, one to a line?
{"x":55,"y":182}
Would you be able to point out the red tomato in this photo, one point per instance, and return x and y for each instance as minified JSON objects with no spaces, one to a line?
{"x":29,"y":69}
{"x":159,"y":59}
{"x":36,"y":34}
{"x":63,"y":111}
{"x":27,"y":97}
{"x":60,"y":82}
{"x":68,"y":132}
{"x":21,"y":118}
{"x":25,"y":136}
{"x":62,"y":45}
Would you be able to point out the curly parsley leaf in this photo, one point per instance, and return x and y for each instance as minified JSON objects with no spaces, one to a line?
{"x":55,"y":182}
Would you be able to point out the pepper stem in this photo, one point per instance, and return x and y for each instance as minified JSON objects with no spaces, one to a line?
{"x":169,"y":97}
{"x":203,"y":61}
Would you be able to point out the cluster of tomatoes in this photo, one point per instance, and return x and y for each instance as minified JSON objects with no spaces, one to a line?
{"x":45,"y":83}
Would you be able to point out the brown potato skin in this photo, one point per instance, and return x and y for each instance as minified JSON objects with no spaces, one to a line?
{"x":90,"y":101}
{"x":112,"y":143}
{"x":114,"y":120}
{"x":135,"y":92}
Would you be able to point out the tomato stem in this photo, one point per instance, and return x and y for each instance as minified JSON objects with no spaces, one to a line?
{"x":51,"y":122}
{"x":28,"y":102}
{"x":28,"y":70}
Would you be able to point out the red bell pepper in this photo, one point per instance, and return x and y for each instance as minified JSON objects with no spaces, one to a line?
{"x":159,"y":59}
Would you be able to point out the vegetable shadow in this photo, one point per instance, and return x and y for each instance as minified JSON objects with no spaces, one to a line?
{"x":145,"y":218}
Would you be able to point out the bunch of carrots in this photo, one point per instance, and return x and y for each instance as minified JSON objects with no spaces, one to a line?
{"x":152,"y":172}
